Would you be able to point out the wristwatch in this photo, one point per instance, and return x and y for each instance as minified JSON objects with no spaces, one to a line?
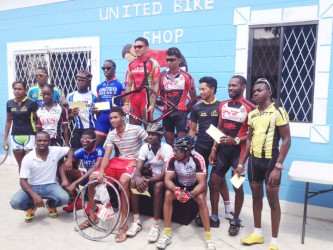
{"x":237,"y":140}
{"x":279,"y":166}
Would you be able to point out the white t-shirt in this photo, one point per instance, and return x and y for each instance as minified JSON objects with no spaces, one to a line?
{"x":155,"y":161}
{"x":39,"y":172}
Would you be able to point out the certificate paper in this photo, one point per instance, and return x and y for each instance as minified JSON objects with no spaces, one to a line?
{"x":215,"y":133}
{"x":237,"y":181}
{"x":135,"y":191}
{"x":102,"y":105}
{"x":80,"y":105}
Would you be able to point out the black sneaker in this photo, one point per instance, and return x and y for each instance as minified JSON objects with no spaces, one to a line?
{"x":234,"y":227}
{"x":214,"y":223}
{"x":198,"y":221}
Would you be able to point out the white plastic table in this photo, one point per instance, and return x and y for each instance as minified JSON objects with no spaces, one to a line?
{"x":314,"y":172}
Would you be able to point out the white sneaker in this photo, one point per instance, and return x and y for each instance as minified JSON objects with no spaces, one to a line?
{"x":163,"y":242}
{"x":154,"y":234}
{"x":134,"y":229}
{"x":210,"y":245}
{"x":229,"y":216}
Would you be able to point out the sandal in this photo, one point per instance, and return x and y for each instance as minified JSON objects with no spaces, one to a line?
{"x":84,"y":225}
{"x":121,"y":235}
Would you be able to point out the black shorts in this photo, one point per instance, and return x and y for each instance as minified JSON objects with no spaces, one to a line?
{"x":178,"y":120}
{"x":76,"y":137}
{"x":227,"y":156}
{"x":204,"y":151}
{"x":259,"y":169}
{"x":188,"y":188}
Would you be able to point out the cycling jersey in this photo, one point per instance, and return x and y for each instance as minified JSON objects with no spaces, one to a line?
{"x":85,"y":118}
{"x":35,"y":93}
{"x":51,"y":121}
{"x":157,"y":161}
{"x":186,"y":173}
{"x":233,"y":115}
{"x":266,"y":136}
{"x":205,"y":114}
{"x":89,"y":158}
{"x":22,"y":116}
{"x":176,"y":90}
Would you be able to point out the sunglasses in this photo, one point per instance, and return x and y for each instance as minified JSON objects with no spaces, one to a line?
{"x":87,"y":140}
{"x":264,"y":80}
{"x":82,"y":80}
{"x":170,"y":59}
{"x":40,"y":75}
{"x":178,"y":151}
{"x":138,"y":46}
{"x":108,"y":68}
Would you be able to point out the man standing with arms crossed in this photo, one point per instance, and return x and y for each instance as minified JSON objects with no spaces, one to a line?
{"x":176,"y":85}
{"x":233,"y":124}
{"x":204,"y":114}
{"x":143,"y":70}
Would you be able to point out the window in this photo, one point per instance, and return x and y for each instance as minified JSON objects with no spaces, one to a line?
{"x":285,"y":56}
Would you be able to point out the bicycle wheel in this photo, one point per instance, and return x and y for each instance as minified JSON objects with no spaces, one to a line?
{"x":3,"y":153}
{"x":108,"y":215}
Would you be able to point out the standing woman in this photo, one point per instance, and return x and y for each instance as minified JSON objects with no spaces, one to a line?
{"x":21,"y":112}
{"x":267,"y":125}
{"x":53,"y":118}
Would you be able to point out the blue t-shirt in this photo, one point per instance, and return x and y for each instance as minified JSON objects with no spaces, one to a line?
{"x":89,"y":159}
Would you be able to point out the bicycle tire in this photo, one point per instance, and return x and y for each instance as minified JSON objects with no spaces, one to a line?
{"x":3,"y":153}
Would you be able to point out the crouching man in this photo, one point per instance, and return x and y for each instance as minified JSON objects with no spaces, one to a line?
{"x":185,"y":178}
{"x":38,"y":179}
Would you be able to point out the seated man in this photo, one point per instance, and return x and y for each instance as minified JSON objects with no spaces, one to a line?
{"x":91,"y":156}
{"x":185,"y":178}
{"x":156,"y":154}
{"x":38,"y":179}
{"x":127,"y":138}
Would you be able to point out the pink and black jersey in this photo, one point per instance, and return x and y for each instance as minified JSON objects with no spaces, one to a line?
{"x":186,"y":173}
{"x":175,"y":90}
{"x":233,"y":115}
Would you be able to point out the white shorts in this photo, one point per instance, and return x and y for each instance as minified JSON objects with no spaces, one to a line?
{"x":23,"y":142}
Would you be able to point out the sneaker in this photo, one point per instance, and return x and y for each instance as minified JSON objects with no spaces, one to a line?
{"x":52,"y":212}
{"x":253,"y":239}
{"x":70,"y":207}
{"x":234,"y":227}
{"x":134,"y":229}
{"x":30,"y":216}
{"x":272,"y":247}
{"x":210,"y":245}
{"x":198,"y":221}
{"x":163,"y":242}
{"x":229,"y":216}
{"x":154,"y":234}
{"x":214,"y":223}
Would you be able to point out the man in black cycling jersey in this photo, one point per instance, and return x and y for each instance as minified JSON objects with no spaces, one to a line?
{"x":185,"y":178}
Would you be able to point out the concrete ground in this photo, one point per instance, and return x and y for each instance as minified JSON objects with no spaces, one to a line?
{"x":48,"y":234}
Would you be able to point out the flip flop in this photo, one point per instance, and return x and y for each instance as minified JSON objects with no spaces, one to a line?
{"x":121,"y":235}
{"x":84,"y":225}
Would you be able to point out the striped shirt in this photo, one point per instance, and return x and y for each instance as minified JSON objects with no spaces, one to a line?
{"x":129,"y":142}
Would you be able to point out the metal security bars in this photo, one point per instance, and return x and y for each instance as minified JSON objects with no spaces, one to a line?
{"x":285,"y":56}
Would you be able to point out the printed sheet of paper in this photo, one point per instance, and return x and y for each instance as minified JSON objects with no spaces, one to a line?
{"x":215,"y":133}
{"x":102,"y":105}
{"x":79,"y":105}
{"x":135,"y":191}
{"x":237,"y":181}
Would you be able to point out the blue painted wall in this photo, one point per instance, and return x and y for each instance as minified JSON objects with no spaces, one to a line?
{"x":208,"y":40}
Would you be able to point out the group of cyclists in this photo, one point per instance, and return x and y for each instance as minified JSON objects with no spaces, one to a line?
{"x":137,"y":156}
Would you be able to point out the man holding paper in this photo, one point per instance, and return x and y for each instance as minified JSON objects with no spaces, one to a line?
{"x":155,"y":153}
{"x":80,"y":107}
{"x":205,"y":114}
{"x":106,"y":91}
{"x":233,"y":124}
